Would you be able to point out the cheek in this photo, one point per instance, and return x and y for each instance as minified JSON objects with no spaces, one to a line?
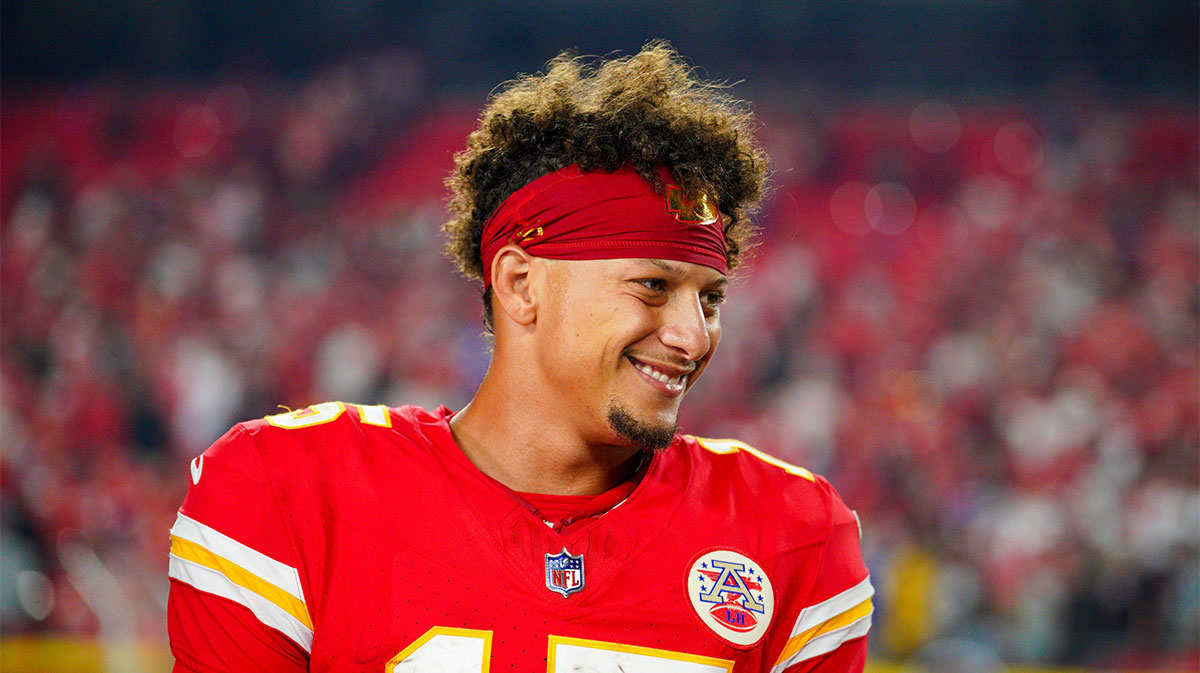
{"x":566,"y":317}
{"x":714,"y":335}
{"x":575,"y":334}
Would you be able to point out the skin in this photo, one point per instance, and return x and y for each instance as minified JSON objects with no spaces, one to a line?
{"x":566,"y":337}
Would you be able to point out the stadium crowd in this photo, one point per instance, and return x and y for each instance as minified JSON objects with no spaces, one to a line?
{"x":979,"y":320}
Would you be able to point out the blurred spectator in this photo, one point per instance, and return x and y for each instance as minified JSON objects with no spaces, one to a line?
{"x":980,"y":322}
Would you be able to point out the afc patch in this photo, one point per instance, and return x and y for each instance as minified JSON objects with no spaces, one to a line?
{"x":564,"y":573}
{"x":732,"y":596}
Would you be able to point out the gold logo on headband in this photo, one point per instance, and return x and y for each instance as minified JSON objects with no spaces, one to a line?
{"x":520,"y":237}
{"x":698,"y":211}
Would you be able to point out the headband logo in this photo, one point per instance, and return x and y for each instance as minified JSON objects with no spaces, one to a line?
{"x":698,"y":211}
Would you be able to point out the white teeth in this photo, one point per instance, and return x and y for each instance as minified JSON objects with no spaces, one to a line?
{"x":657,"y":375}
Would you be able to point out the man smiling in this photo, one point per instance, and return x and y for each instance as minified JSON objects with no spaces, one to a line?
{"x":559,"y":521}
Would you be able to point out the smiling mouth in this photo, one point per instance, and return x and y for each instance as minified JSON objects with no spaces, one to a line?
{"x":670,"y":380}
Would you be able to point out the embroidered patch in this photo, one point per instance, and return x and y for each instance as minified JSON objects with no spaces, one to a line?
{"x":564,"y":573}
{"x":732,"y":596}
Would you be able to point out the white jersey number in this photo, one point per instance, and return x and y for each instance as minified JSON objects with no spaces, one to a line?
{"x":444,"y":649}
{"x":327,"y":412}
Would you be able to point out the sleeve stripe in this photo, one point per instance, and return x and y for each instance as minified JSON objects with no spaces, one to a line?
{"x":825,"y":637}
{"x":239,"y":576}
{"x":215,"y":582}
{"x":253,"y":561}
{"x":723,"y":446}
{"x":827,"y":642}
{"x":815,"y":615}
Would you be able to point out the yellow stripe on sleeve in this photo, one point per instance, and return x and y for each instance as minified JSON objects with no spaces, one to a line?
{"x":797,"y":643}
{"x":195,"y":553}
{"x":723,"y":446}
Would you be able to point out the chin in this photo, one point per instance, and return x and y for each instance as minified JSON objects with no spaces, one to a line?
{"x":642,"y":433}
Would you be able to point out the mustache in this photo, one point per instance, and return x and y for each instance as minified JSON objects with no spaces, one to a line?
{"x":666,"y":359}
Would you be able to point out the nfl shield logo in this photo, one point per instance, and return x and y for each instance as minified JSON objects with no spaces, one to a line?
{"x":564,"y":573}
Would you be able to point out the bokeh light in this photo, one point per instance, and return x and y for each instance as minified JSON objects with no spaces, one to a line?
{"x":935,"y":126}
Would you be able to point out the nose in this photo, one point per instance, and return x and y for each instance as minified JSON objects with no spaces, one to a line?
{"x":685,"y":328}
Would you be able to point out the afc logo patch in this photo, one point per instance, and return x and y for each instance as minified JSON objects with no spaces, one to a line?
{"x":564,"y":572}
{"x":732,"y":595}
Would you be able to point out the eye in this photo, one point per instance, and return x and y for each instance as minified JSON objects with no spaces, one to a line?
{"x":652,"y":284}
{"x":712,"y":299}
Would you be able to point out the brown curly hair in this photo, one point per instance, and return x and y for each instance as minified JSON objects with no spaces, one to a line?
{"x":645,"y":110}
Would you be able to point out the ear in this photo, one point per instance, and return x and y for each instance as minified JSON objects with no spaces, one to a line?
{"x":511,"y":286}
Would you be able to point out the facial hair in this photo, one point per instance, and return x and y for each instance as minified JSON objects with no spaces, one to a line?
{"x":642,"y":435}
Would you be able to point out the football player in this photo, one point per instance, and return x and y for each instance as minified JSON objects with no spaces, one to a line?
{"x":559,"y":521}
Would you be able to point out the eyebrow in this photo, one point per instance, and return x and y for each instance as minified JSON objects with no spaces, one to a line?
{"x":676,"y":270}
{"x":665,"y":266}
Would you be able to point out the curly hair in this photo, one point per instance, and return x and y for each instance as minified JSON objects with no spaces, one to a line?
{"x":645,"y":110}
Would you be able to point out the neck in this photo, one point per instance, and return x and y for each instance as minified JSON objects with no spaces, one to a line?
{"x":517,"y":437}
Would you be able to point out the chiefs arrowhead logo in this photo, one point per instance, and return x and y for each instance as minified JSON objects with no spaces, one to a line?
{"x":197,"y":467}
{"x":699,"y":210}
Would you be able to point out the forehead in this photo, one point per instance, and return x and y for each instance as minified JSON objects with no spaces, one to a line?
{"x":635,"y":267}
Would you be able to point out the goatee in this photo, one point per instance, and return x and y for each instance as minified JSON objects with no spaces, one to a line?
{"x":642,"y":435}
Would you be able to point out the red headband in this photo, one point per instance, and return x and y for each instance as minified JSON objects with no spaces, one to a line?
{"x":569,"y":214}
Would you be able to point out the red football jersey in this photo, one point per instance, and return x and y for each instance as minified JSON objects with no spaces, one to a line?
{"x":360,"y":538}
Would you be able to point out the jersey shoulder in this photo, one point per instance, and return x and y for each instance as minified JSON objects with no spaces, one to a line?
{"x":235,"y":536}
{"x":301,"y":463}
{"x":808,"y":538}
{"x":745,"y":456}
{"x":335,"y":427}
{"x":324,"y":442}
{"x":789,"y":491}
{"x":334,"y":417}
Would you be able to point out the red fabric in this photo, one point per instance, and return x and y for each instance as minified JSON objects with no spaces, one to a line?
{"x":394,"y":532}
{"x":600,"y":215}
{"x":851,"y":656}
{"x":565,"y":510}
{"x":211,"y":634}
{"x":556,"y":508}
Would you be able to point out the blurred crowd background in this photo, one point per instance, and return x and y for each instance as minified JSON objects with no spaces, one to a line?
{"x":975,"y":308}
